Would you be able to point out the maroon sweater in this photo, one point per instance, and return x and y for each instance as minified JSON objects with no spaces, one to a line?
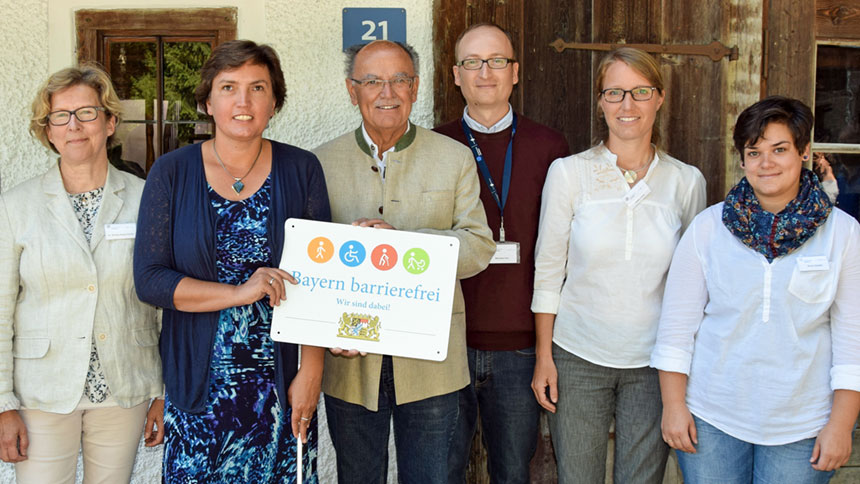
{"x":498,"y":300}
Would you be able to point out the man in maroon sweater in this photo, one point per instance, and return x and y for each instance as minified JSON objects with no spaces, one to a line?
{"x":513,"y":154}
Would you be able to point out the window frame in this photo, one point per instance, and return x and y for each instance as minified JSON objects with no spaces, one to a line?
{"x":839,"y":148}
{"x":95,"y":29}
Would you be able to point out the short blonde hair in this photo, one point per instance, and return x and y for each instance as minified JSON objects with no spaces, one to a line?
{"x":87,"y":74}
{"x":641,"y":62}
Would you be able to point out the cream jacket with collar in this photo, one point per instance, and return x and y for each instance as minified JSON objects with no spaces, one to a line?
{"x":57,"y":293}
{"x":431,"y":186}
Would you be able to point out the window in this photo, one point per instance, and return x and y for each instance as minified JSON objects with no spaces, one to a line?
{"x":837,"y":118}
{"x":154,"y":59}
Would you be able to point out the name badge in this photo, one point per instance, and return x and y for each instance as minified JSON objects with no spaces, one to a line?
{"x":506,"y":253}
{"x":120,"y":231}
{"x":636,"y":194}
{"x":813,"y":263}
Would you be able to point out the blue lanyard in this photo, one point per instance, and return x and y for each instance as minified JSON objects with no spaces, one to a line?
{"x":485,"y":171}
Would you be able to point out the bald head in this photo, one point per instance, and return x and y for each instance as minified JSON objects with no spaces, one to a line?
{"x":352,"y":53}
{"x":484,"y":28}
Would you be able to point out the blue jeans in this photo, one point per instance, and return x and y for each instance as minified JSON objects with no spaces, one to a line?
{"x":501,"y":389}
{"x":423,"y":432}
{"x":721,"y":458}
{"x":589,"y":396}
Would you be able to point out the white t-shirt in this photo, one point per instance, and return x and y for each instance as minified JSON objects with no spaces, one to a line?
{"x":601,"y":262}
{"x":764,"y":344}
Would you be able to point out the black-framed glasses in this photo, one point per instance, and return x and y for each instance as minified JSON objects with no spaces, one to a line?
{"x":493,"y":63}
{"x":84,"y":114}
{"x":639,"y":93}
{"x":399,"y":83}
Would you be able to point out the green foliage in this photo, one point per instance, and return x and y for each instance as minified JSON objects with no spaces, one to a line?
{"x":182,"y":63}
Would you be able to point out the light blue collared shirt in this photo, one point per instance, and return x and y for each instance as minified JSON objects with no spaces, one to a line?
{"x":502,"y":125}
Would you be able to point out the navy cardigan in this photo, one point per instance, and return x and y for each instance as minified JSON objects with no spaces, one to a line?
{"x":176,"y":239}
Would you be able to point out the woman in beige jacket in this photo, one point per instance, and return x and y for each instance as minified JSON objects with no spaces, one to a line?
{"x":79,"y":360}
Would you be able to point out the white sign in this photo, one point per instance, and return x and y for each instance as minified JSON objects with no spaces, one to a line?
{"x":373,"y":290}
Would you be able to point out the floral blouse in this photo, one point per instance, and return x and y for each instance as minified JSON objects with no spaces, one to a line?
{"x":86,"y":206}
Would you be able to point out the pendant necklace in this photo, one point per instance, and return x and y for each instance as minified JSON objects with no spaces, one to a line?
{"x":237,"y":185}
{"x":630,"y":176}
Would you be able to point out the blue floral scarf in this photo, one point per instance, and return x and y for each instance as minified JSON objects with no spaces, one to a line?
{"x":779,"y":234}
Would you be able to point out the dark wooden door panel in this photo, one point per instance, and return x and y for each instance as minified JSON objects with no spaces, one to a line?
{"x":556,"y":88}
{"x":627,"y":21}
{"x":692,"y":117}
{"x":452,"y":17}
{"x":790,"y":49}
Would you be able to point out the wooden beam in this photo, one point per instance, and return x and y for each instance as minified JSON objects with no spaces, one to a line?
{"x":836,"y":148}
{"x":220,"y":22}
{"x":790,"y":47}
{"x":449,"y":19}
{"x":557,"y":88}
{"x":837,"y":19}
{"x":691,"y":117}
{"x":715,"y":50}
{"x":742,"y":84}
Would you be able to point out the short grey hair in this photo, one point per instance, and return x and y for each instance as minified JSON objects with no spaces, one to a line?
{"x":353,"y":51}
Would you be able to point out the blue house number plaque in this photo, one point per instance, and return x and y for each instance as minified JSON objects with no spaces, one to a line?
{"x":364,"y":25}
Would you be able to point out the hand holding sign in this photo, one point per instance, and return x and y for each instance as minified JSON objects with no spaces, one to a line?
{"x":376,"y":223}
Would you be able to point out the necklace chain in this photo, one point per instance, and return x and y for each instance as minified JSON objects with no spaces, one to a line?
{"x":237,"y":185}
{"x":630,"y":176}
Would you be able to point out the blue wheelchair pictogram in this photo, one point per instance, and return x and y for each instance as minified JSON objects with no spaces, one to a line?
{"x":352,"y":253}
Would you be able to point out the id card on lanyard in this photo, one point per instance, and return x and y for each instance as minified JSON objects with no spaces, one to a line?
{"x":506,"y":252}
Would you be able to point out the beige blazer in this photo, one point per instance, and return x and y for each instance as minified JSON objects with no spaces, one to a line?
{"x":431,"y":185}
{"x":57,"y":293}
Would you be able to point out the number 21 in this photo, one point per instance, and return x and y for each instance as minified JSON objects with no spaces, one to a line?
{"x":371,"y":27}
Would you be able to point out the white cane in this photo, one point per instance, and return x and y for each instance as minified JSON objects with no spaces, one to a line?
{"x":299,"y":465}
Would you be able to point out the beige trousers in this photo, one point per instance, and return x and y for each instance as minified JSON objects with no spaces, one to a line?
{"x":109,"y":436}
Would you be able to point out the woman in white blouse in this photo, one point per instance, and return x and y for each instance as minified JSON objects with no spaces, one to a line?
{"x":610,"y":219}
{"x":759,"y":341}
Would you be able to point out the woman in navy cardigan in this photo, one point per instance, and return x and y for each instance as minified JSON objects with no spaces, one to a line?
{"x":209,"y":241}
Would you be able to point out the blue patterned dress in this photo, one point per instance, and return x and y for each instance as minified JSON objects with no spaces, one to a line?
{"x":243,"y":437}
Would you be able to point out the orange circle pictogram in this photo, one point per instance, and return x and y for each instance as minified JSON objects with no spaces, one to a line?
{"x":320,"y":250}
{"x":383,"y":257}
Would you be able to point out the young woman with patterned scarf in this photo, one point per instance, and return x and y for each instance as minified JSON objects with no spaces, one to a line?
{"x":759,"y":340}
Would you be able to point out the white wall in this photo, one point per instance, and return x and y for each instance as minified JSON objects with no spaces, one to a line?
{"x":307,"y":35}
{"x":38,"y":39}
{"x":23,"y":66}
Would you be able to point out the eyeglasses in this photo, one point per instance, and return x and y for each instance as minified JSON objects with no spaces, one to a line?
{"x":84,"y":115}
{"x":494,"y":63}
{"x":641,"y":93}
{"x":399,"y":83}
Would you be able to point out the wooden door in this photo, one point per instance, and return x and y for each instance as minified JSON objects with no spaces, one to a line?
{"x":556,"y":88}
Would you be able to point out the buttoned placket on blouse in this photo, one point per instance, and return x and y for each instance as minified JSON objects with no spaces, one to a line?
{"x":628,"y":242}
{"x":766,"y":292}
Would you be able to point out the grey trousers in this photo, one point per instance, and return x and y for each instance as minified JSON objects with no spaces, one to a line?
{"x":589,"y":396}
